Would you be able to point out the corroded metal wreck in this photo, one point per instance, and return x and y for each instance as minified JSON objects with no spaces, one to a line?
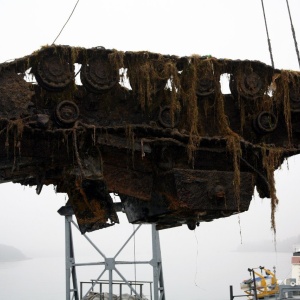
{"x":155,"y":129}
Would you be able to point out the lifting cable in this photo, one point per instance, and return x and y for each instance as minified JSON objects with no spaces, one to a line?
{"x":293,"y":31}
{"x":269,"y":42}
{"x":66,"y":22}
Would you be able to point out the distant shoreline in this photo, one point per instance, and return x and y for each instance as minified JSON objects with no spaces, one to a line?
{"x":11,"y":254}
{"x":15,"y":260}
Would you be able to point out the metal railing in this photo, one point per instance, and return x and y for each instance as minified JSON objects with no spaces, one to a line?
{"x":122,"y":284}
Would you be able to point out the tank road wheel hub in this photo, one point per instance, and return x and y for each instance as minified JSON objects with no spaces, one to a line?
{"x":165,"y":117}
{"x":66,"y":113}
{"x":251,"y":85}
{"x":53,"y":72}
{"x":265,"y":122}
{"x":98,"y":75}
{"x":205,"y":87}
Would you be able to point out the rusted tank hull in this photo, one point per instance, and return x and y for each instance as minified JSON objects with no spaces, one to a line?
{"x":154,"y":129}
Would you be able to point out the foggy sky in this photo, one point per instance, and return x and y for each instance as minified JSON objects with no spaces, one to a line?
{"x":225,"y":29}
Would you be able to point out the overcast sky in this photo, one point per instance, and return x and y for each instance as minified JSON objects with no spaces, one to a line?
{"x":221,"y":28}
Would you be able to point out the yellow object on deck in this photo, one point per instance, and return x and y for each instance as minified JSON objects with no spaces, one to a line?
{"x":262,"y":285}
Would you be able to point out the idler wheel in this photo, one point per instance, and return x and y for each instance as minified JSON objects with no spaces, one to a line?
{"x":265,"y":122}
{"x":165,"y":117}
{"x":97,"y":75}
{"x":66,"y":113}
{"x":205,"y":87}
{"x":54,"y":72}
{"x":248,"y":85}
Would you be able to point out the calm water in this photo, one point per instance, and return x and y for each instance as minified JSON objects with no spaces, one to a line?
{"x":207,"y":277}
{"x":39,"y":278}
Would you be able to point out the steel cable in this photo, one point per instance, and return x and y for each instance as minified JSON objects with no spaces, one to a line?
{"x":66,"y":22}
{"x":293,"y":31}
{"x":269,"y":42}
